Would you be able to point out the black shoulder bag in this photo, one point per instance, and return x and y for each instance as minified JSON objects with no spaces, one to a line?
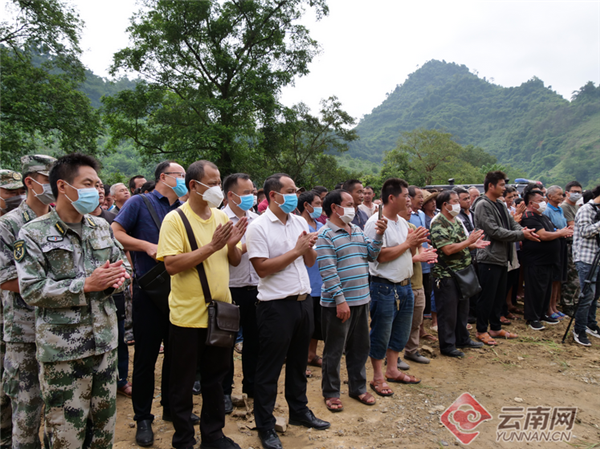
{"x":223,"y":318}
{"x":466,"y":280}
{"x":156,"y":283}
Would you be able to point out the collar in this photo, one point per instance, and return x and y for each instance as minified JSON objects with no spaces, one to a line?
{"x":269,"y":213}
{"x":336,"y":228}
{"x":556,"y":209}
{"x":62,"y":228}
{"x":231,"y":214}
{"x":26,"y":211}
{"x":160,"y":197}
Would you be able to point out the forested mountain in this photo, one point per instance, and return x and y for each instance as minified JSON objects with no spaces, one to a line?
{"x":530,"y":127}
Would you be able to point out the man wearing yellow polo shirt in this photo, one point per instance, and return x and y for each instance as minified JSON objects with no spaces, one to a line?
{"x":218,"y":246}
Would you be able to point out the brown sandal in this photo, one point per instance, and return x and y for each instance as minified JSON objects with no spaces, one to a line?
{"x":316,"y":361}
{"x":365,"y":398}
{"x":428,"y":337}
{"x":330,"y":403}
{"x":505,"y":334}
{"x":404,"y":379}
{"x":505,"y":320}
{"x":486,"y":339}
{"x":125,"y":390}
{"x":377,"y":387}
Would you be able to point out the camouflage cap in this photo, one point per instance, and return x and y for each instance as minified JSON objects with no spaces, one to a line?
{"x":37,"y":163}
{"x":11,"y":180}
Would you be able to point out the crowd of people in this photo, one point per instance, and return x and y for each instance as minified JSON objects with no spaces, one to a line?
{"x":87,"y":268}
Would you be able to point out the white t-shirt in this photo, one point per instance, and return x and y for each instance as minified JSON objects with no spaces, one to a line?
{"x":398,"y":269}
{"x":268,"y":237}
{"x":368,"y":210}
{"x":243,"y":275}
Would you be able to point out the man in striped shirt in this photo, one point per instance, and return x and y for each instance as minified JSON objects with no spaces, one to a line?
{"x":343,"y":253}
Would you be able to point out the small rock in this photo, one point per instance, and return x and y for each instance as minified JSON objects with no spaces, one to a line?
{"x":131,"y":425}
{"x":280,"y":424}
{"x":443,"y":443}
{"x":520,"y":358}
{"x":518,"y":399}
{"x":239,"y":413}
{"x":428,"y":350}
{"x":239,"y":400}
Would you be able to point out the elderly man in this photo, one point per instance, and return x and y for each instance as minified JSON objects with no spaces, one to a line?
{"x":120,"y":193}
{"x":539,"y":260}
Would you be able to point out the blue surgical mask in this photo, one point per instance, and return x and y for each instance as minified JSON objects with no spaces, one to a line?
{"x":290,"y":202}
{"x":247,"y":201}
{"x":87,"y":201}
{"x":316,"y":213}
{"x":180,"y":189}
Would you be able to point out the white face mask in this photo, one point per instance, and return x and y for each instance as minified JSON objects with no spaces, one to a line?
{"x":348,"y":215}
{"x":255,"y":200}
{"x":542,"y":207}
{"x":213,"y":196}
{"x":455,"y":210}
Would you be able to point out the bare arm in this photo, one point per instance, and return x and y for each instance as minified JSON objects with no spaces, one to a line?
{"x":131,"y":243}
{"x":12,"y":285}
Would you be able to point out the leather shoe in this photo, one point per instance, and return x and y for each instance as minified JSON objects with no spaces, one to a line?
{"x":196,"y":389}
{"x":195,"y":419}
{"x":143,"y":435}
{"x":309,"y":420}
{"x":454,"y":353}
{"x":221,"y":443}
{"x":269,"y":439}
{"x":228,"y":404}
{"x":471,"y":344}
{"x":402,"y":364}
{"x":416,"y":357}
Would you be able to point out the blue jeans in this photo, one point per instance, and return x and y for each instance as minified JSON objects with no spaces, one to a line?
{"x":391,"y":318}
{"x":586,"y":311}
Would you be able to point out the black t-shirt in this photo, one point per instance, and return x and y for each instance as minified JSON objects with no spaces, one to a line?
{"x":539,"y":253}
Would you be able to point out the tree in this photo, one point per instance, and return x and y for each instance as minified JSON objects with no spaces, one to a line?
{"x":214,"y":71}
{"x":39,"y":49}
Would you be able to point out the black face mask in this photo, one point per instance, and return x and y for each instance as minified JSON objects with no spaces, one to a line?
{"x":12,"y":203}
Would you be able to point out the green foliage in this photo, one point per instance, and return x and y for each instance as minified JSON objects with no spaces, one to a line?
{"x":214,"y":71}
{"x":529,"y":127}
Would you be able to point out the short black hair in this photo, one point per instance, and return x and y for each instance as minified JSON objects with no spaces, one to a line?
{"x":333,"y":197}
{"x":132,"y":181}
{"x":459,"y":190}
{"x":530,"y":194}
{"x":338,"y":186}
{"x":567,"y":187}
{"x":394,"y":187}
{"x":509,"y":189}
{"x":306,"y":197}
{"x":412,"y":190}
{"x":273,"y":184}
{"x":444,"y":197}
{"x":596,"y":191}
{"x":67,"y":168}
{"x":587,"y":196}
{"x":148,"y":186}
{"x":369,"y":187}
{"x":161,"y":168}
{"x":107,"y":189}
{"x":232,"y":180}
{"x":493,"y":177}
{"x":349,"y":185}
{"x":517,"y":201}
{"x":320,"y":190}
{"x":195,"y":172}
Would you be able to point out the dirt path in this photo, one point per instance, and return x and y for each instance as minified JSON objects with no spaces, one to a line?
{"x":535,"y":370}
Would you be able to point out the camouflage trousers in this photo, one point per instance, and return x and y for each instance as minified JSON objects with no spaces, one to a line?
{"x":22,"y":386}
{"x":81,"y":401}
{"x":128,"y":315}
{"x":5,"y":408}
{"x":570,"y":288}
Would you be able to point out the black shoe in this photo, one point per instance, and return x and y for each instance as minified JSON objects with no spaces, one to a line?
{"x":581,"y":338}
{"x":454,"y":353}
{"x":593,"y":330}
{"x":196,"y":389}
{"x":228,"y":404}
{"x":309,"y":420}
{"x":269,"y":439}
{"x":536,"y":325}
{"x":548,"y":320}
{"x":221,"y":443}
{"x":167,"y":417}
{"x":143,"y":435}
{"x":471,"y":344}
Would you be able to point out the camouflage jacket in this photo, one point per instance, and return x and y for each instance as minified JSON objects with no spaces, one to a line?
{"x":52,"y":265}
{"x":445,"y":232}
{"x":19,"y":318}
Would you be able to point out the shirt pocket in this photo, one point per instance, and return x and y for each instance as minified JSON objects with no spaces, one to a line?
{"x":61,"y":260}
{"x":102,"y":250}
{"x":62,"y":316}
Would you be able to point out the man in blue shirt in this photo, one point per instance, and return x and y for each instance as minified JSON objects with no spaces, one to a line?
{"x":355,"y":188}
{"x":136,"y":230}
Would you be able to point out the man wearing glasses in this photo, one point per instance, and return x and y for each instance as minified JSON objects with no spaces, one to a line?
{"x":136,"y":230}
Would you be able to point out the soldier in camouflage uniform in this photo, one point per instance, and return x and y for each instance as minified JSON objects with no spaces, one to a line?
{"x":21,"y":377}
{"x":68,"y":266}
{"x":10,"y":181}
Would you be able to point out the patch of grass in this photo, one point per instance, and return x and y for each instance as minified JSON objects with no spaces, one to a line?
{"x":584,"y":445}
{"x":548,"y":344}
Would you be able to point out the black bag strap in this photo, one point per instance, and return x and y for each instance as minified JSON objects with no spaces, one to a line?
{"x":151,"y":210}
{"x":200,"y":266}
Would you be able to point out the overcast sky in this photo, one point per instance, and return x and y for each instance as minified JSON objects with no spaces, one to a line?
{"x":368,"y":47}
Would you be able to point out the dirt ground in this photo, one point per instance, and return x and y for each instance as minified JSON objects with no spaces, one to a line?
{"x":534,"y":370}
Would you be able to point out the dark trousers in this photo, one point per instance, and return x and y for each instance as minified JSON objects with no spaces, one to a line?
{"x":428,"y":287}
{"x":538,"y":289}
{"x":245,"y":298}
{"x":123,"y":356}
{"x":284,"y":329}
{"x":493,"y":294}
{"x":452,"y":312}
{"x":188,"y":348}
{"x":512,"y":284}
{"x":150,"y":329}
{"x":351,"y":336}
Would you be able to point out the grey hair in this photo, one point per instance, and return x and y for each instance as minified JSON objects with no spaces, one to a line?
{"x":113,"y":188}
{"x":474,"y":188}
{"x":552,"y":190}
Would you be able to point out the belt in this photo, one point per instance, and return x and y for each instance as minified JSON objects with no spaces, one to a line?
{"x":296,"y":297}
{"x":403,"y":283}
{"x":246,"y":287}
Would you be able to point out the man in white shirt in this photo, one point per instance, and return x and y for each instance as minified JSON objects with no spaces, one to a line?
{"x":392,"y":300}
{"x":280,"y":247}
{"x":368,"y":206}
{"x":243,"y":282}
